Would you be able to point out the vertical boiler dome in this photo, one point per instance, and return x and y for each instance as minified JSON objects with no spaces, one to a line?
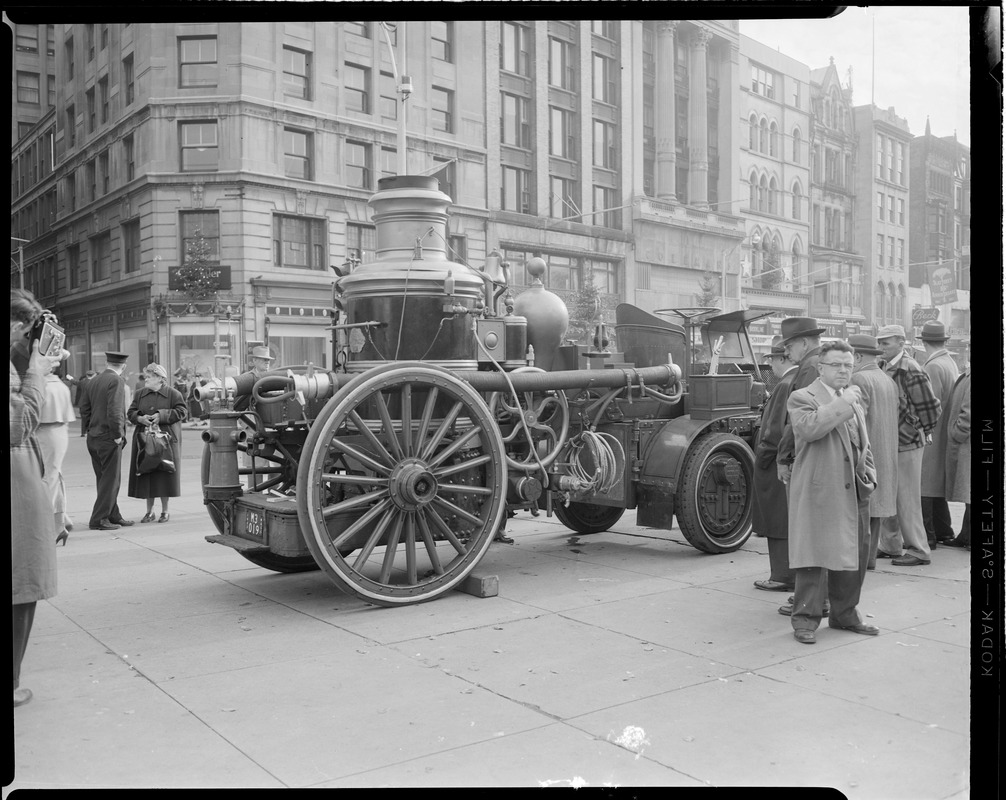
{"x":546,"y":314}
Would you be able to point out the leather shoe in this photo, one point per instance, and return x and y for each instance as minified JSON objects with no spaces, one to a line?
{"x":148,"y":517}
{"x":805,"y":636}
{"x":104,"y":525}
{"x":882,"y":554}
{"x":910,"y":561}
{"x":125,"y":523}
{"x":958,"y":542}
{"x":862,"y":627}
{"x":787,"y":610}
{"x":773,"y":586}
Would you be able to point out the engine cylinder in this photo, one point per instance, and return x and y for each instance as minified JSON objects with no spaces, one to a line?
{"x":421,"y":297}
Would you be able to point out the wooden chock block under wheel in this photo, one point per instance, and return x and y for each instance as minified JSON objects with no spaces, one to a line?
{"x":480,"y":585}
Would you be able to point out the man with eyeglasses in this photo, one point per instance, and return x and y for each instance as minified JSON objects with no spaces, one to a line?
{"x":829,"y":498}
{"x":918,"y":414}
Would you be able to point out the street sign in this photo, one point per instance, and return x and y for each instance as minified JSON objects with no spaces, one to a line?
{"x":221,"y":344}
{"x":219,"y":274}
{"x":942,"y":286}
{"x":920,"y":316}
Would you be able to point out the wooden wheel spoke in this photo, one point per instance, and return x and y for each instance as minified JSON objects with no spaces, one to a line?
{"x":407,"y":418}
{"x":374,"y":538}
{"x":391,"y":548}
{"x":250,"y":471}
{"x":434,"y":443}
{"x":485,"y":458}
{"x":359,"y":455}
{"x":424,"y":422}
{"x":457,"y":511}
{"x":431,"y":546}
{"x":447,"y":532}
{"x":460,"y":487}
{"x":389,"y":428}
{"x":355,"y":480}
{"x":368,"y":434}
{"x":456,"y":445}
{"x":355,"y":502}
{"x":344,"y":537}
{"x":410,"y":549}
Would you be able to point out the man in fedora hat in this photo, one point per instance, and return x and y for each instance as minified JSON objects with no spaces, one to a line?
{"x":942,"y":371}
{"x":801,"y":341}
{"x":833,"y":477}
{"x":918,"y":413}
{"x":103,"y":416}
{"x":769,"y":516}
{"x":261,"y":360}
{"x":880,"y":403}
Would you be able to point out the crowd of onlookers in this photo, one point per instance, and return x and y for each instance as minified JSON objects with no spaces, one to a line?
{"x":859,"y":450}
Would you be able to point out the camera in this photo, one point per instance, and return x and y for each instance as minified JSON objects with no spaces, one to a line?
{"x":49,"y":335}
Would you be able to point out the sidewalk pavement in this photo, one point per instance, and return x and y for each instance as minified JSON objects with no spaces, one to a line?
{"x":626,"y":658}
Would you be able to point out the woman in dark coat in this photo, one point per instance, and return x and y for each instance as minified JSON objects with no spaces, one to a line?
{"x":156,"y":402}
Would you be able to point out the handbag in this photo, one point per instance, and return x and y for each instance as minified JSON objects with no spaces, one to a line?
{"x":154,"y":452}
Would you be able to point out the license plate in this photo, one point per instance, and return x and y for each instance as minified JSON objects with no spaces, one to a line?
{"x":255,"y":523}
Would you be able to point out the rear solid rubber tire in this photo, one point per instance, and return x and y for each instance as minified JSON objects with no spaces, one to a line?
{"x":694,"y":518}
{"x":588,"y":517}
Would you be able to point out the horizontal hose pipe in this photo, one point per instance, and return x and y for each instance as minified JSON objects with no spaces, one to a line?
{"x":666,"y":375}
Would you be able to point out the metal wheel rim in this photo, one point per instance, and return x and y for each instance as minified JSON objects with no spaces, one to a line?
{"x":726,"y":531}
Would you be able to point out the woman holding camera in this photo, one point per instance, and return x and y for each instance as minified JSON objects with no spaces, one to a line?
{"x":156,"y":403}
{"x":32,"y":548}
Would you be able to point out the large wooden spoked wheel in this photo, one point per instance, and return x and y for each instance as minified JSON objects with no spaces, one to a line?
{"x":546,"y":415}
{"x":404,"y":467}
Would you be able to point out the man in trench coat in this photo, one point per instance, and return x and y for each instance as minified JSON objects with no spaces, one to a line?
{"x":959,"y":453}
{"x":942,"y":370}
{"x":831,"y":481}
{"x":770,"y":513}
{"x":880,"y":404}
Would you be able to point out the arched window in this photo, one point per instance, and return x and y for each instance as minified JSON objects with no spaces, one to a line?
{"x":763,"y":136}
{"x":796,"y":145}
{"x":901,"y":303}
{"x":773,"y":140}
{"x":763,"y":194}
{"x":753,"y":132}
{"x":771,"y":263}
{"x":795,"y":267}
{"x":773,"y":194}
{"x":892,"y":304}
{"x":797,"y":200}
{"x":753,"y":188}
{"x":879,"y":304}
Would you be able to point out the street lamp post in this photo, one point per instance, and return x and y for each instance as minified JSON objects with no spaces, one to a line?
{"x":755,"y":240}
{"x":403,"y":85}
{"x":20,"y":259}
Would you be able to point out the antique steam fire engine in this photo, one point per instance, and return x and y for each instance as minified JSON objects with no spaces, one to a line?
{"x":455,"y":405}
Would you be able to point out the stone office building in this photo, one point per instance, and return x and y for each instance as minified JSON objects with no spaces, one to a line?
{"x":610,"y":147}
